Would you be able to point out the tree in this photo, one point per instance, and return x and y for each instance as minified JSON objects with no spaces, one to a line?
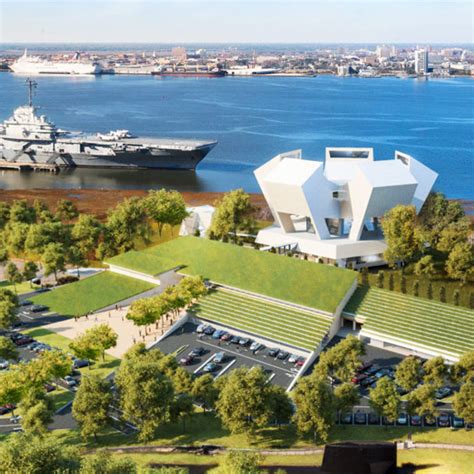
{"x":463,"y":370}
{"x":49,"y":366}
{"x":25,"y":453}
{"x":182,"y":408}
{"x":66,"y":210}
{"x":91,"y":404}
{"x":166,"y":208}
{"x":144,"y":311}
{"x":429,"y":291}
{"x":86,"y":232}
{"x":281,"y":406}
{"x":391,"y":282}
{"x":3,"y":253}
{"x":315,"y":407}
{"x":8,"y":350}
{"x":425,"y":266}
{"x":403,"y":284}
{"x":233,"y":213}
{"x":15,"y":235}
{"x":4,"y":214}
{"x":435,"y":372}
{"x":29,"y":271}
{"x":76,"y":257}
{"x":193,"y":286}
{"x":244,"y":403}
{"x":442,"y":294}
{"x":456,"y":297}
{"x":20,"y":211}
{"x":380,"y":279}
{"x":408,"y":373}
{"x":145,"y":393}
{"x":182,"y":381}
{"x":102,"y":462}
{"x":364,"y":276}
{"x":11,"y":389}
{"x":84,"y":347}
{"x":384,"y":399}
{"x":416,"y":288}
{"x":460,"y":263}
{"x":54,"y":259}
{"x":421,"y":401}
{"x":36,"y":410}
{"x":346,"y":395}
{"x":463,"y":403}
{"x":103,"y":337}
{"x":401,"y":235}
{"x":40,"y":235}
{"x":13,"y":275}
{"x":8,"y":306}
{"x":205,"y":391}
{"x":241,"y":462}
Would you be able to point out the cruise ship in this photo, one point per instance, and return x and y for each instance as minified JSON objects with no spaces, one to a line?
{"x":33,"y":65}
{"x":32,"y":141}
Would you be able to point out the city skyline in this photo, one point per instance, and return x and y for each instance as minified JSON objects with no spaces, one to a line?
{"x":236,"y":21}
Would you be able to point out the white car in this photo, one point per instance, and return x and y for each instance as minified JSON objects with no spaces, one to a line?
{"x":4,"y":364}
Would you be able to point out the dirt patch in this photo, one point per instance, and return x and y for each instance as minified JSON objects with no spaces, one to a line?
{"x":98,"y":201}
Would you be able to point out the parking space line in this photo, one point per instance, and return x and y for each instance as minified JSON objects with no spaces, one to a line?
{"x":226,"y":368}
{"x":204,"y":363}
{"x":271,"y":377}
{"x":253,"y":359}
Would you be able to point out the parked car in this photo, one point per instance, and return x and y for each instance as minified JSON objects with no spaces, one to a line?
{"x":374,"y":419}
{"x":273,"y":352}
{"x":226,"y":337}
{"x":443,"y":392}
{"x":372,"y":370}
{"x":15,"y":419}
{"x":357,"y":379}
{"x":255,"y":346}
{"x":292,"y":358}
{"x":402,"y":419}
{"x":79,"y":363}
{"x":415,"y":420}
{"x":209,"y":331}
{"x":235,"y":339}
{"x":197,"y":351}
{"x":385,"y":372}
{"x":49,"y":388}
{"x":42,"y":290}
{"x":4,"y":364}
{"x":458,"y":422}
{"x":282,"y":355}
{"x":364,"y":367}
{"x":387,"y":422}
{"x":186,"y":360}
{"x":368,"y":381}
{"x":70,"y":381}
{"x":37,"y":308}
{"x":7,"y":408}
{"x":218,"y":334}
{"x":360,"y":418}
{"x":300,"y":362}
{"x":346,"y":419}
{"x":244,"y":341}
{"x":210,"y":367}
{"x":26,"y":303}
{"x":444,"y":421}
{"x":23,"y":341}
{"x":220,"y":357}
{"x":200,"y":328}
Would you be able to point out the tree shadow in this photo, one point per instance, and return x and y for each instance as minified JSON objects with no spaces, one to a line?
{"x":409,"y":468}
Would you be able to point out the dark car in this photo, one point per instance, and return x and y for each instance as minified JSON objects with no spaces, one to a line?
{"x":26,"y":303}
{"x":372,"y":370}
{"x":346,"y":419}
{"x":197,"y":351}
{"x":37,"y":308}
{"x":443,"y":392}
{"x":235,"y":339}
{"x":186,"y":360}
{"x":282,"y":355}
{"x":458,"y":422}
{"x":23,"y":341}
{"x":226,"y":336}
{"x":218,"y":334}
{"x":79,"y":363}
{"x":360,"y":418}
{"x":43,"y":290}
{"x":429,"y":421}
{"x":220,"y":357}
{"x":444,"y":421}
{"x":368,"y":381}
{"x":415,"y":420}
{"x":209,"y":331}
{"x":244,"y":341}
{"x":7,"y":408}
{"x":374,"y":419}
{"x":273,"y":352}
{"x":49,"y":388}
{"x":364,"y":367}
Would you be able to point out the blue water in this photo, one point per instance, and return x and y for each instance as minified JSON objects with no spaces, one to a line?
{"x":256,"y":118}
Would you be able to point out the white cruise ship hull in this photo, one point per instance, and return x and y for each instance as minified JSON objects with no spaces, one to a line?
{"x":36,"y":68}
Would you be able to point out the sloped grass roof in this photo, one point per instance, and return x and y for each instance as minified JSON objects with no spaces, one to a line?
{"x":427,"y":323}
{"x":277,"y":322}
{"x":297,"y":281}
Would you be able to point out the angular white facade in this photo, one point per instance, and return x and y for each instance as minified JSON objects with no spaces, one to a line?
{"x":332,"y":209}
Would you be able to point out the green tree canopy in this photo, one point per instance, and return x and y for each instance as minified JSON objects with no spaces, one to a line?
{"x":165,"y":208}
{"x":436,"y":372}
{"x":463,"y":402}
{"x":384,"y":399}
{"x":66,"y":210}
{"x":346,"y":395}
{"x":421,"y":401}
{"x":104,"y":463}
{"x":8,"y":350}
{"x":460,"y":263}
{"x":36,"y":410}
{"x":8,"y":306}
{"x":425,"y":266}
{"x":54,"y":259}
{"x":13,"y":275}
{"x":408,"y":373}
{"x":204,"y":390}
{"x":86,"y":233}
{"x":20,"y":211}
{"x":30,"y":270}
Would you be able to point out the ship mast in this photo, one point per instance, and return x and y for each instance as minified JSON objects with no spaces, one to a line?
{"x":31,"y":86}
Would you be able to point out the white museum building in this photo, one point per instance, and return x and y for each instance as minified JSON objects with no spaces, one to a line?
{"x":332,"y":209}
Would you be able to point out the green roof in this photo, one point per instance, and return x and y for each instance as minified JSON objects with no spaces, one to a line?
{"x":277,"y":322}
{"x":430,"y":324}
{"x":289,"y":279}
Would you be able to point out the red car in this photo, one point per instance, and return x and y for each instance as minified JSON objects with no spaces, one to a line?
{"x":7,"y":408}
{"x":358,"y":378}
{"x":300,"y":362}
{"x":187,"y":360}
{"x":23,"y":341}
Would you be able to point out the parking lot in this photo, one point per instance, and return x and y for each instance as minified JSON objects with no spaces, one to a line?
{"x":185,"y":339}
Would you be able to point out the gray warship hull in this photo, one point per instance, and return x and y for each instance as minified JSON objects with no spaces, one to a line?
{"x":144,"y":159}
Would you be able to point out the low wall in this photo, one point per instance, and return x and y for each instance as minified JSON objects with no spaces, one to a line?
{"x":134,"y":274}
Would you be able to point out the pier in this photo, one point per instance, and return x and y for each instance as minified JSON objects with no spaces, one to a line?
{"x":51,"y":167}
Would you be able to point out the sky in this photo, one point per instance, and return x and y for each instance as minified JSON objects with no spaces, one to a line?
{"x":237,"y":21}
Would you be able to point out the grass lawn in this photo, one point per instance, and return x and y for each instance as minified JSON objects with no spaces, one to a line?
{"x":60,"y":397}
{"x":23,"y":287}
{"x":289,"y":279}
{"x":437,"y":461}
{"x":279,"y":323}
{"x":100,"y":368}
{"x":446,"y":328}
{"x":91,"y":293}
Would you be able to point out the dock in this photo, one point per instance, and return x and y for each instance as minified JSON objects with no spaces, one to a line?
{"x":51,"y":167}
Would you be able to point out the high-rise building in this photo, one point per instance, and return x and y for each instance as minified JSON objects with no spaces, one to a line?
{"x":421,"y":61}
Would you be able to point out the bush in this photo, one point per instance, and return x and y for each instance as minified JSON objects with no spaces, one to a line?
{"x":67,"y":279}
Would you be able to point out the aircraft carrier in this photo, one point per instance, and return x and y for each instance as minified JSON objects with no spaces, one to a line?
{"x":31,"y":141}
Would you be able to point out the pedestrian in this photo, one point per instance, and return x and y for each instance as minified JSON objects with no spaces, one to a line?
{"x":116,"y":307}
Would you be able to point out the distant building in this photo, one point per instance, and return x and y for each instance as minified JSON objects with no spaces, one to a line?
{"x":421,"y":61}
{"x":332,"y":209}
{"x":198,"y":221}
{"x":383,"y":51}
{"x":179,"y":53}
